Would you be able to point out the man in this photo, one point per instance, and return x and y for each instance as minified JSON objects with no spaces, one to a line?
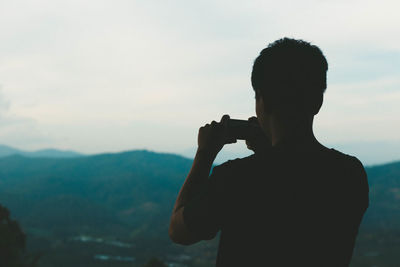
{"x":294,"y":202}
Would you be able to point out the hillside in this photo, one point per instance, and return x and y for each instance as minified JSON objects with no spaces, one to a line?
{"x":67,"y":204}
{"x":6,"y":151}
{"x":114,"y":209}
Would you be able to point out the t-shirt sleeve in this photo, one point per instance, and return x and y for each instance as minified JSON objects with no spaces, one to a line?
{"x":203,"y":215}
{"x":352,"y":202}
{"x":361,"y":186}
{"x":356,"y":197}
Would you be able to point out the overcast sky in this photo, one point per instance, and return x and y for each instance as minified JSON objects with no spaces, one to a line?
{"x":96,"y":76}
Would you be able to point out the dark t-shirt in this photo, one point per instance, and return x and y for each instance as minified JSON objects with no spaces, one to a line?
{"x":294,"y":205}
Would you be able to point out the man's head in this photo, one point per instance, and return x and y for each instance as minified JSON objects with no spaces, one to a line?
{"x":289,"y":76}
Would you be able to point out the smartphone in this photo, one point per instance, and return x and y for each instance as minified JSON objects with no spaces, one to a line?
{"x":241,"y":129}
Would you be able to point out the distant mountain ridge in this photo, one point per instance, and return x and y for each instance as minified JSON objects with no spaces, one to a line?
{"x":6,"y":151}
{"x":127,"y":197}
{"x":124,"y":197}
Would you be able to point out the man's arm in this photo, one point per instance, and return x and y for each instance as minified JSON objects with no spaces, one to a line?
{"x":196,"y":178}
{"x":211,"y":139}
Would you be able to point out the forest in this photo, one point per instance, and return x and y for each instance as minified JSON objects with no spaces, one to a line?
{"x":113,"y":210}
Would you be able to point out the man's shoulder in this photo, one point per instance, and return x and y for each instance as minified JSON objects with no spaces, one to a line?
{"x":348,"y":161}
{"x":355,"y":178}
{"x":353,"y":171}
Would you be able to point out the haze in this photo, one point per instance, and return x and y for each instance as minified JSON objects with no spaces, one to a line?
{"x":97,"y":76}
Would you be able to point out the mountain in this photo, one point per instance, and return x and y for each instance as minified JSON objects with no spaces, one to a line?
{"x":124,"y":198}
{"x":6,"y":151}
{"x":384,"y":185}
{"x":113,"y":210}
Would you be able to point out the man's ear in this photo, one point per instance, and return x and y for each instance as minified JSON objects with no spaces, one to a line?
{"x":264,"y":105}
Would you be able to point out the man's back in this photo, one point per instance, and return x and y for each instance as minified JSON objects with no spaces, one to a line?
{"x":296,"y":205}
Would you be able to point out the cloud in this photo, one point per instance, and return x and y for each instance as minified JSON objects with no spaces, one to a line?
{"x":136,"y":67}
{"x":20,"y":132}
{"x":4,"y":104}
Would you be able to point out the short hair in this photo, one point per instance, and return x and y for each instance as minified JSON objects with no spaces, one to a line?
{"x":290,"y":74}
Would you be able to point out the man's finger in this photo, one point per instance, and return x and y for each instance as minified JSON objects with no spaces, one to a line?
{"x":253,"y":119}
{"x":225,"y":118}
{"x":231,"y":141}
{"x":249,"y":146}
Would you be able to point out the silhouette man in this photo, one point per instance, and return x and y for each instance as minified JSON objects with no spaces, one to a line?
{"x":294,"y":202}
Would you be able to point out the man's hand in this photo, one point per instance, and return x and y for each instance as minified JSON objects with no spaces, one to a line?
{"x":212,"y":137}
{"x":259,"y":142}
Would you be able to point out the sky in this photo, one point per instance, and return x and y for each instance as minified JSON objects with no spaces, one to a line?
{"x":107,"y":76}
